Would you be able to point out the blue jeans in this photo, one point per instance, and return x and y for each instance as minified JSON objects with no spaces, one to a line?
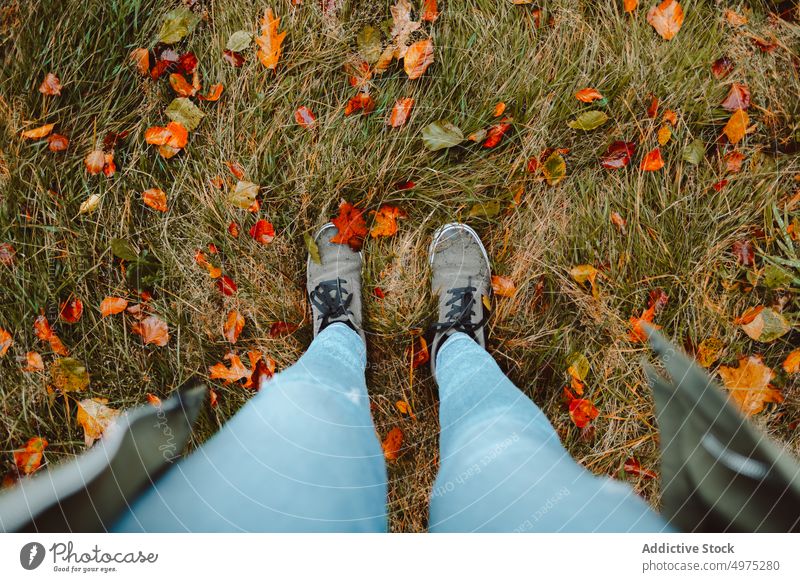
{"x":303,"y":455}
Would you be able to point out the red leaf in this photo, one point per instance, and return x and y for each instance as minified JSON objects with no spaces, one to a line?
{"x":281,"y":328}
{"x":351,"y":226}
{"x":29,"y":459}
{"x":618,"y":155}
{"x":187,"y":63}
{"x":226,"y":285}
{"x":652,"y":110}
{"x":722,"y":67}
{"x":232,"y":58}
{"x":361,"y":102}
{"x":633,"y":467}
{"x":304,"y":117}
{"x":582,"y":412}
{"x":263,"y":232}
{"x":71,"y":310}
{"x":652,"y":161}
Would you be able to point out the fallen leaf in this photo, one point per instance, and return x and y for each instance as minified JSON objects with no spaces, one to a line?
{"x":582,"y":412}
{"x":39,"y":132}
{"x":71,"y":310}
{"x":5,"y":341}
{"x":709,"y":351}
{"x":734,"y":18}
{"x":112,"y":306}
{"x":270,"y":41}
{"x":239,"y":41}
{"x":44,"y":332}
{"x":738,"y":97}
{"x":181,"y":86}
{"x":153,"y":330}
{"x":155,"y":198}
{"x":618,"y":155}
{"x":430,"y":12}
{"x":503,"y":286}
{"x":57,"y":142}
{"x":213,"y":271}
{"x":749,"y":384}
{"x":670,"y":117}
{"x":187,"y":115}
{"x":578,"y":366}
{"x":282,"y":328}
{"x":304,"y":117}
{"x":233,"y":373}
{"x":744,"y":253}
{"x":7,"y":254}
{"x":402,"y":29}
{"x":791,"y":365}
{"x":736,"y":127}
{"x":174,"y":135}
{"x":633,"y":467}
{"x":243,"y":195}
{"x":213,"y":399}
{"x":233,"y":58}
{"x":141,"y":58}
{"x":313,"y":248}
{"x":213,"y":94}
{"x":386,"y":221}
{"x":499,"y":109}
{"x":152,"y":399}
{"x":722,"y":67}
{"x":664,"y":134}
{"x":652,"y":109}
{"x":656,"y":301}
{"x":589,"y":120}
{"x":51,"y":85}
{"x":400,"y":112}
{"x":226,"y":285}
{"x":362,"y":102}
{"x":262,"y":232}
{"x":618,"y":221}
{"x":733,"y":161}
{"x":496,"y":132}
{"x":418,"y":58}
{"x":766,"y":326}
{"x":69,"y":375}
{"x":652,"y":161}
{"x":666,"y":18}
{"x":178,"y":23}
{"x":109,"y":167}
{"x":554,"y":168}
{"x":583,"y":273}
{"x":233,"y":229}
{"x":588,"y":95}
{"x":233,"y":326}
{"x":392,"y":444}
{"x":440,"y":135}
{"x":33,"y":362}
{"x":630,"y":5}
{"x":29,"y":458}
{"x":694,"y":152}
{"x":351,"y":226}
{"x":95,"y":417}
{"x":417,"y":352}
{"x":766,"y":46}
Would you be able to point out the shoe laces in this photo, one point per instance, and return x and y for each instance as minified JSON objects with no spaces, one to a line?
{"x":462,"y":310}
{"x":329,"y":298}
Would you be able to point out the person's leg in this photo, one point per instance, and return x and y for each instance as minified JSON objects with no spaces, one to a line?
{"x":302,"y":455}
{"x":502,"y":466}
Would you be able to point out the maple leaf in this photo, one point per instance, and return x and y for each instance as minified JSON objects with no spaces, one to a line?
{"x":392,"y":444}
{"x":386,"y":221}
{"x":402,"y":29}
{"x":51,"y":85}
{"x":153,"y":330}
{"x":112,"y":306}
{"x":270,"y":41}
{"x":233,"y":326}
{"x":418,"y":58}
{"x":588,"y":95}
{"x":503,"y":286}
{"x":44,"y":332}
{"x":155,"y":198}
{"x":736,"y":127}
{"x":29,"y":458}
{"x":5,"y":341}
{"x":262,"y":232}
{"x":350,"y":226}
{"x":400,"y":112}
{"x":71,"y":310}
{"x":666,"y":18}
{"x":233,"y":373}
{"x":39,"y":132}
{"x":749,"y":384}
{"x":738,"y":98}
{"x":95,"y":417}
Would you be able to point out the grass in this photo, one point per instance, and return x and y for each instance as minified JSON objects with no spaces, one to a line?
{"x":678,"y":237}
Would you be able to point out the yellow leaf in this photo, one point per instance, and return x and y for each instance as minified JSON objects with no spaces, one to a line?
{"x":664,"y":134}
{"x":749,"y":385}
{"x":584,"y":273}
{"x":709,"y":351}
{"x":39,"y":132}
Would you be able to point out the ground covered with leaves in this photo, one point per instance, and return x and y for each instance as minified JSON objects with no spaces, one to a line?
{"x":163,"y":163}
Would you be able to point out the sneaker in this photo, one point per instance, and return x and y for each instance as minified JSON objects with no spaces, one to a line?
{"x":334,"y":287}
{"x":461,"y":277}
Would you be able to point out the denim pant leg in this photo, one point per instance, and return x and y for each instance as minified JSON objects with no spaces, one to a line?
{"x":302,"y":455}
{"x":502,"y":466}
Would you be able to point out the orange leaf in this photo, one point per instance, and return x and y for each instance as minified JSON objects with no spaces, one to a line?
{"x":214,"y":93}
{"x":749,"y":384}
{"x":734,"y":18}
{"x":237,"y":370}
{"x":33,"y":362}
{"x":670,"y":117}
{"x":270,"y":41}
{"x":618,"y":221}
{"x":236,"y":169}
{"x":141,"y":58}
{"x":262,"y":232}
{"x":181,"y":86}
{"x":749,"y":315}
{"x":582,"y":412}
{"x":95,"y":417}
{"x":152,"y":399}
{"x":304,"y":117}
{"x":630,"y":5}
{"x":155,"y":198}
{"x":666,"y":18}
{"x":652,"y":161}
{"x":44,"y":332}
{"x":71,"y":310}
{"x":386,"y":221}
{"x":95,"y":162}
{"x":503,"y":286}
{"x":664,"y":135}
{"x":496,"y":133}
{"x":418,"y":58}
{"x":417,"y":352}
{"x":351,"y":226}
{"x":109,"y":167}
{"x":173,"y":135}
{"x":791,"y":365}
{"x":430,"y":12}
{"x":736,"y":126}
{"x":51,"y":85}
{"x":153,"y":330}
{"x":39,"y":132}
{"x":499,"y":109}
{"x":361,"y":102}
{"x":233,"y":326}
{"x":112,"y":306}
{"x":401,"y":111}
{"x":733,"y":161}
{"x":588,"y":95}
{"x":634,"y":467}
{"x":57,"y":142}
{"x":200,"y":259}
{"x":5,"y":341}
{"x":392,"y":444}
{"x":29,"y":459}
{"x":656,"y":302}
